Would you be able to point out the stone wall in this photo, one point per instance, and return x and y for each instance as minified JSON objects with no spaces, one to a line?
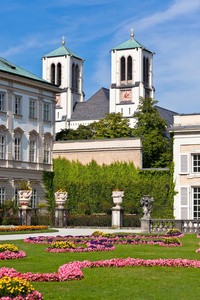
{"x":105,"y":151}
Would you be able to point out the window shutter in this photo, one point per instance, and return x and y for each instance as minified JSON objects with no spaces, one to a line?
{"x":184,"y":164}
{"x":184,"y":195}
{"x":184,"y":201}
{"x":184,"y":213}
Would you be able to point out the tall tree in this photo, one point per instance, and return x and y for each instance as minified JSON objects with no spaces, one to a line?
{"x":157,"y":148}
{"x":112,"y":126}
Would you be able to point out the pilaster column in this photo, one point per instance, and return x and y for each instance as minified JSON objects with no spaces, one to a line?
{"x":40,"y":121}
{"x":9,"y":124}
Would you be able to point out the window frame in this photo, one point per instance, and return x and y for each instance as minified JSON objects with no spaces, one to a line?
{"x":2,"y":146}
{"x":17,"y":148}
{"x":2,"y":194}
{"x":34,"y":198}
{"x":198,"y":163}
{"x":2,"y":101}
{"x":46,"y":152}
{"x":32,"y":109}
{"x":46,"y":112}
{"x":197,"y":204}
{"x":32,"y":150}
{"x":18,"y":105}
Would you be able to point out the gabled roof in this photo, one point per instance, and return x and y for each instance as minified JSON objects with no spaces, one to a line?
{"x":94,"y":108}
{"x":8,"y":67}
{"x":167,"y":115}
{"x":130,"y":44}
{"x":61,"y":51}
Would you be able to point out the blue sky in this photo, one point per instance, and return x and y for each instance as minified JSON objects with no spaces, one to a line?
{"x":170,"y":28}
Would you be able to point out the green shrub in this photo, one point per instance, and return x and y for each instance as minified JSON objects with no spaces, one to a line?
{"x":93,"y":184}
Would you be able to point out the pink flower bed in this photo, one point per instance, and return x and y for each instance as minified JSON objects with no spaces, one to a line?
{"x":12,"y":255}
{"x":72,"y":270}
{"x":35,"y":295}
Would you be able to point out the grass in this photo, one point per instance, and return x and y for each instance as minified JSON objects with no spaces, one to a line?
{"x":115,"y":283}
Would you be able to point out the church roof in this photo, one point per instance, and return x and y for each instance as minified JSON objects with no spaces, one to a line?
{"x":94,"y":108}
{"x":8,"y":67}
{"x":130,"y":44}
{"x":61,"y":51}
{"x":166,"y":114}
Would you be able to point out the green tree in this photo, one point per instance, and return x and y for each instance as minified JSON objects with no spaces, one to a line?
{"x":81,"y":133}
{"x":157,"y":148}
{"x":112,"y":126}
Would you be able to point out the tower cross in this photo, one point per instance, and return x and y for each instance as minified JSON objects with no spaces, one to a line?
{"x":132,"y":34}
{"x":63,"y":40}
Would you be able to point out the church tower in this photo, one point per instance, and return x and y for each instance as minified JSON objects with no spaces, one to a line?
{"x":65,"y":69}
{"x":131,"y":77}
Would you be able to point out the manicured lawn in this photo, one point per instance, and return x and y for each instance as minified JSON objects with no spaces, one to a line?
{"x":115,"y":283}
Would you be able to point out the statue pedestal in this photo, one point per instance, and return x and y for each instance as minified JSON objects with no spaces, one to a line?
{"x":117,"y":217}
{"x":24,"y":214}
{"x":60,"y":217}
{"x":145,"y":224}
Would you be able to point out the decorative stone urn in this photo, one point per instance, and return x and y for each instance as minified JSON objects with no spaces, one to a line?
{"x":117,"y":197}
{"x":60,"y":198}
{"x":25,"y":197}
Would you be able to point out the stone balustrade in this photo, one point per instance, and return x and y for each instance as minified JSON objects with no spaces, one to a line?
{"x":185,"y":226}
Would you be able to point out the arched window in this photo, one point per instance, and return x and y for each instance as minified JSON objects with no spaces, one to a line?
{"x":123,"y":69}
{"x":77,"y":78}
{"x":129,"y":74}
{"x":73,"y":77}
{"x":144,"y":72}
{"x":59,"y":74}
{"x":147,"y":71}
{"x":53,"y":73}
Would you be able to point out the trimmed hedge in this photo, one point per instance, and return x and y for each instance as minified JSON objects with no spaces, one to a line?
{"x":93,"y":184}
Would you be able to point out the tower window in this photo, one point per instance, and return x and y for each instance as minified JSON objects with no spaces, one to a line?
{"x":129,"y":74}
{"x":77,"y":78}
{"x":123,"y":69}
{"x":53,"y":73}
{"x":144,"y":79}
{"x":147,"y":71}
{"x":73,"y":77}
{"x":59,"y":74}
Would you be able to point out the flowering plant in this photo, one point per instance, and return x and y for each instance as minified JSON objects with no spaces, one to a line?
{"x":61,"y":191}
{"x":8,"y":247}
{"x":61,"y":245}
{"x":14,"y":286}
